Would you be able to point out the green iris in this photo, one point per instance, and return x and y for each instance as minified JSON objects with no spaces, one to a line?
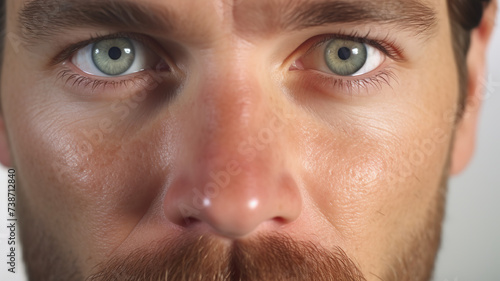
{"x":113,"y":56}
{"x":345,"y":57}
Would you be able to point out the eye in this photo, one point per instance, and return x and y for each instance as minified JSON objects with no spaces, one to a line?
{"x":343,"y":57}
{"x":114,"y":57}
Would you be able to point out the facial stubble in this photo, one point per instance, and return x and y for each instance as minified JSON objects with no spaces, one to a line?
{"x":196,"y":257}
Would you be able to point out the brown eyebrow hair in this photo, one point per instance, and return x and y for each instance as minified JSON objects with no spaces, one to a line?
{"x":411,"y":15}
{"x":39,"y":19}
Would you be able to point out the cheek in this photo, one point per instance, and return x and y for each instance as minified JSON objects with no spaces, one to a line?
{"x":343,"y":171}
{"x":370,"y":188}
{"x":83,"y":169}
{"x":381,"y":165}
{"x":378,"y":166}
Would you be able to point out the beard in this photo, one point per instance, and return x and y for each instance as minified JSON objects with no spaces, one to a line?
{"x":192,"y":258}
{"x":274,"y":257}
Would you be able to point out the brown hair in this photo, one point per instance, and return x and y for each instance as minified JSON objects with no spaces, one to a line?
{"x":465,"y":15}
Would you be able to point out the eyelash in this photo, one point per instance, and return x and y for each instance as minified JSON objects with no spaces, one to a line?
{"x":352,"y":87}
{"x":72,"y":78}
{"x":352,"y":84}
{"x":79,"y":80}
{"x":386,"y":46}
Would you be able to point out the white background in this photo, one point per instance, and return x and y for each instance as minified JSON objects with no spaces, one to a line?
{"x":471,"y":242}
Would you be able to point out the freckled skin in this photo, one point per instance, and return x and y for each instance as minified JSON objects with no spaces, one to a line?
{"x":367,"y":173}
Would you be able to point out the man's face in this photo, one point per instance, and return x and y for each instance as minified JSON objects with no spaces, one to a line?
{"x":245,"y":139}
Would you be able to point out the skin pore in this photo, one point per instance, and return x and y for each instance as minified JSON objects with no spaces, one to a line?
{"x":234,"y":153}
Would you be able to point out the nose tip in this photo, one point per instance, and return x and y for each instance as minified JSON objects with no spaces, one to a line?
{"x":238,"y":209}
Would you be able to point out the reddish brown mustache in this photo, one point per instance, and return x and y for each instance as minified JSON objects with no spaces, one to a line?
{"x":202,"y":258}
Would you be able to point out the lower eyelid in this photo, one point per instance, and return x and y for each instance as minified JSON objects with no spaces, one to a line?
{"x":86,"y":84}
{"x":383,"y":67}
{"x":317,"y":82}
{"x":82,"y":85}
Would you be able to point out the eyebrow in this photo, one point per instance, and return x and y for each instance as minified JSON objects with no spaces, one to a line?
{"x":414,"y":16}
{"x":40,"y":19}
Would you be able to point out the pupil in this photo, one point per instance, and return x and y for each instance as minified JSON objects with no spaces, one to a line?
{"x":115,"y":53}
{"x":344,"y":53}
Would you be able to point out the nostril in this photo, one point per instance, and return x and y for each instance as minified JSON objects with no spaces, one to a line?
{"x":190,"y":221}
{"x":254,"y":199}
{"x":280,"y":220}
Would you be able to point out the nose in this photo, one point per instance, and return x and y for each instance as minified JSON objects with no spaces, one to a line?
{"x":235,"y":204}
{"x":235,"y":176}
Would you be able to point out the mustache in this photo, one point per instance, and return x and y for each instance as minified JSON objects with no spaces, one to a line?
{"x":200,"y":258}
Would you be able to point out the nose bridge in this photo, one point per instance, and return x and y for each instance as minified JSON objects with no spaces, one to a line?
{"x":237,"y":177}
{"x":233,"y":108}
{"x":232,"y":105}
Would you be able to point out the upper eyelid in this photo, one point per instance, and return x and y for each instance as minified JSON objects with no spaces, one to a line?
{"x":67,"y":52}
{"x":321,"y":40}
{"x":387,"y":47}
